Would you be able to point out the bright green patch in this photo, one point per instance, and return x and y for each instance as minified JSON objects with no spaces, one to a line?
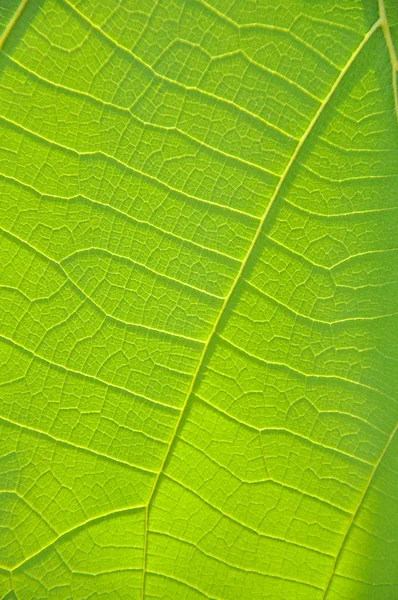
{"x":199,"y":300}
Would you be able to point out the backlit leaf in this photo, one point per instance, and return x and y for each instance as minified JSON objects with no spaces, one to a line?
{"x":198,"y":299}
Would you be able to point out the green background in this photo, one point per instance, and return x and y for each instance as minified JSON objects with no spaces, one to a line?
{"x":198,"y":299}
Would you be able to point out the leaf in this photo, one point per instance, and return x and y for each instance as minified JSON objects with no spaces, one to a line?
{"x":199,"y":299}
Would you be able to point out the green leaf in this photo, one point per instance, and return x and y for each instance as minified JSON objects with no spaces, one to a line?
{"x":199,"y":299}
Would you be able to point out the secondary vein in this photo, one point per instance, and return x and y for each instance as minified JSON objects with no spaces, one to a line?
{"x":12,"y":22}
{"x":391,"y":51}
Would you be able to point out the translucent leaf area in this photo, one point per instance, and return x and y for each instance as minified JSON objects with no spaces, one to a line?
{"x":198,"y":300}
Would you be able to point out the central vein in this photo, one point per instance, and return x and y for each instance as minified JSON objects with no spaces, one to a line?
{"x":243,"y":265}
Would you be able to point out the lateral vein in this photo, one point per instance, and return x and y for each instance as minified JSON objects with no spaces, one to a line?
{"x":12,"y":22}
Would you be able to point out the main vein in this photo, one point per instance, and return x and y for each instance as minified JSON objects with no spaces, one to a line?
{"x":241,"y":270}
{"x":354,"y":515}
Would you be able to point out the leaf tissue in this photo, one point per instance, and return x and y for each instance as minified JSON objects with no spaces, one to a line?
{"x":198,"y":299}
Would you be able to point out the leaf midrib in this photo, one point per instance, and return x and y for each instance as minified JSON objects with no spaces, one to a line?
{"x":274,"y":196}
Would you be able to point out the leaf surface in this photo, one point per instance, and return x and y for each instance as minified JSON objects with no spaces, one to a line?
{"x":199,"y":299}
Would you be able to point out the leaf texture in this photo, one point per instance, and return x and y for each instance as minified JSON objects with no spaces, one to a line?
{"x":199,"y":299}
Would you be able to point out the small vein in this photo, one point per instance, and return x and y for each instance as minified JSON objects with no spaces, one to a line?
{"x":73,"y":445}
{"x":172,"y":81}
{"x":149,"y":124}
{"x":189,"y":585}
{"x":269,"y":480}
{"x":331,"y":215}
{"x":232,"y":565}
{"x":284,"y":430}
{"x":111,"y":158}
{"x":241,"y":52}
{"x":135,"y":262}
{"x":245,"y":525}
{"x":122,"y":213}
{"x":313,"y":319}
{"x":86,"y":375}
{"x":59,"y":266}
{"x":28,"y":504}
{"x":116,"y":511}
{"x":268,"y":28}
{"x":303,"y":373}
{"x":346,"y":179}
